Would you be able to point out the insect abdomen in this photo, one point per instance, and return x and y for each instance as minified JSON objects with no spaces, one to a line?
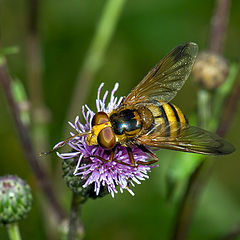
{"x":169,"y":116}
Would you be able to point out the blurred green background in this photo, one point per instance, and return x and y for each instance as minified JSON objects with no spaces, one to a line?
{"x":146,"y":31}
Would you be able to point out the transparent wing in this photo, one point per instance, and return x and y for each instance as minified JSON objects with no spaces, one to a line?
{"x":187,"y":139}
{"x":167,"y":77}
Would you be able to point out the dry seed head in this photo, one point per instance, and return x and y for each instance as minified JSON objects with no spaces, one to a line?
{"x":210,"y":70}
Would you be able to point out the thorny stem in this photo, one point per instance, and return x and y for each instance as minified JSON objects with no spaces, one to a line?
{"x":13,"y":231}
{"x":27,"y":144}
{"x":76,"y":228}
{"x":196,"y":181}
{"x":95,"y":54}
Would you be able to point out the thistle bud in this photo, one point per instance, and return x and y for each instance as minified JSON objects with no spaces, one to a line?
{"x":15,"y":199}
{"x":76,"y":183}
{"x":210,"y":70}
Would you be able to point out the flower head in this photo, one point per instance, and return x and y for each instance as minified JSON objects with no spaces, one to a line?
{"x":93,"y":171}
{"x":15,"y":199}
{"x":210,"y":70}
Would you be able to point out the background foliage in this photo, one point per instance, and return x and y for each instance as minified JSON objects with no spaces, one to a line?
{"x":147,"y":30}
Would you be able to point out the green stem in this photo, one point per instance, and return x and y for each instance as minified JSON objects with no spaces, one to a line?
{"x":204,"y":108}
{"x":222,"y":93}
{"x":13,"y":231}
{"x":76,"y":229}
{"x":96,"y":52}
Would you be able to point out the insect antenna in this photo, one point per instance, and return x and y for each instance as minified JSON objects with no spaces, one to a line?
{"x":61,"y":144}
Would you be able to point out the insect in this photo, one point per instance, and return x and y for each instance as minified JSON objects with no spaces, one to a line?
{"x":146,"y":118}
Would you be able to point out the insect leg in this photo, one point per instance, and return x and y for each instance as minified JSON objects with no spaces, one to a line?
{"x":130,"y":154}
{"x":131,"y":157}
{"x":144,"y":149}
{"x":111,"y":158}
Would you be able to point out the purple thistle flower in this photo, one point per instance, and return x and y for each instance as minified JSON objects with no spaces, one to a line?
{"x":95,"y":171}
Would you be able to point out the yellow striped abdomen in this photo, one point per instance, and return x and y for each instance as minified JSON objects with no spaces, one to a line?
{"x":169,"y":116}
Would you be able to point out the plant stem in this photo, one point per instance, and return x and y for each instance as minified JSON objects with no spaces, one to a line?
{"x":204,"y":108}
{"x":189,"y":202}
{"x":13,"y":231}
{"x":230,"y":108}
{"x":27,"y":143}
{"x":95,"y":54}
{"x":76,"y":228}
{"x":39,"y":113}
{"x":219,"y":23}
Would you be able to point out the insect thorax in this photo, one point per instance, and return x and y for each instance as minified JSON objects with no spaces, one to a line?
{"x":128,"y":123}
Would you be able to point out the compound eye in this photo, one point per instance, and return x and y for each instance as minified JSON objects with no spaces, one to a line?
{"x":106,"y":138}
{"x":99,"y":118}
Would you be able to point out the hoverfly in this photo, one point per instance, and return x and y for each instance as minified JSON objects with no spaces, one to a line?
{"x":145,"y":118}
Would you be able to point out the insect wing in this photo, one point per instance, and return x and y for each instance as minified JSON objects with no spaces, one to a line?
{"x":167,"y":77}
{"x":187,"y":139}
